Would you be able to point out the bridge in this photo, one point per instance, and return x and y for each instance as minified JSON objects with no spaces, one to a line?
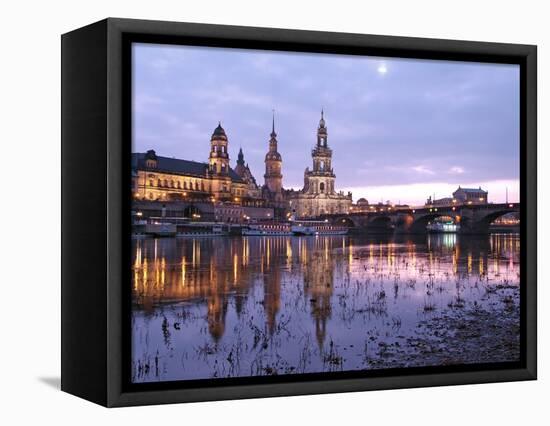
{"x":473,"y":218}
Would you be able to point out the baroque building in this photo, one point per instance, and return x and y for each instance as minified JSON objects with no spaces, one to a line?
{"x":157,"y":178}
{"x":318,"y":195}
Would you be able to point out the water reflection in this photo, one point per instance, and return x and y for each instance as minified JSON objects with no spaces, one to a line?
{"x":246,"y":306}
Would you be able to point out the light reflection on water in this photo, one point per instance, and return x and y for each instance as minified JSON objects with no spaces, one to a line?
{"x":226,"y":307}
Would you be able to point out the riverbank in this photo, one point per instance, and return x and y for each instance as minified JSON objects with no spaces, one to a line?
{"x":460,"y":334}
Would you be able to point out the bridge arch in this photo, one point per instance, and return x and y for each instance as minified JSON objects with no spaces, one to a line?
{"x":380,"y":223}
{"x":348,"y":221}
{"x":419,"y":223}
{"x":481,"y":224}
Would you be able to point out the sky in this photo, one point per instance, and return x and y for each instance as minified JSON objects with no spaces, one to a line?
{"x":400,"y":129}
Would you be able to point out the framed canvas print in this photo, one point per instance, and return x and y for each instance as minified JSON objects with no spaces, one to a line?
{"x":252,"y":212}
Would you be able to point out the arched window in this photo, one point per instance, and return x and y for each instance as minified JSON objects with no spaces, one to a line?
{"x":151,"y":182}
{"x":184,"y":184}
{"x":172,"y":184}
{"x":322,"y":187}
{"x":159,"y":182}
{"x":165,"y":182}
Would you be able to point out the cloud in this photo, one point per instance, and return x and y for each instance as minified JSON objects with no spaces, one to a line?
{"x":456,"y":170}
{"x":423,"y":170}
{"x":232,"y":94}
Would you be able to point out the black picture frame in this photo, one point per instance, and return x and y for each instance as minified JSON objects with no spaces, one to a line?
{"x":96,"y":124}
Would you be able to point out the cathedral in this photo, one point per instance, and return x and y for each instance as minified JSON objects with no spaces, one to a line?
{"x":318,"y":195}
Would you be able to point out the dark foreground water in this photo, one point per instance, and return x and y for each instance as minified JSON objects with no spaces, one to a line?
{"x":228,"y":307}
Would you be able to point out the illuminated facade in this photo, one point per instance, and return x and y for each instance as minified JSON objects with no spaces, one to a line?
{"x":471,"y":195}
{"x":318,"y":195}
{"x":156,"y":178}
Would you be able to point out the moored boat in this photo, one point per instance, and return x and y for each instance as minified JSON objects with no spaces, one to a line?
{"x":267,"y":229}
{"x":317,"y":227}
{"x":442,"y":227}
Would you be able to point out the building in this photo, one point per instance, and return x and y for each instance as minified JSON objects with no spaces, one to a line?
{"x":471,"y":196}
{"x":273,"y":177}
{"x":446,"y":201}
{"x":362,"y":206}
{"x":318,"y":195}
{"x":156,"y":178}
{"x":254,"y":191}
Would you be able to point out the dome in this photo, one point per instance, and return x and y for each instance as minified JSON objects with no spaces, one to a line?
{"x":275,"y":156}
{"x":362,"y":202}
{"x":219,"y":132}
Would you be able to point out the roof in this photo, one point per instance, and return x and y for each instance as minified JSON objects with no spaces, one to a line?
{"x":219,"y":132}
{"x":476,"y":190}
{"x":177,"y":166}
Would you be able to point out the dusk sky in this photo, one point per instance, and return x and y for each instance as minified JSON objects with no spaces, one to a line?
{"x":400,"y":129}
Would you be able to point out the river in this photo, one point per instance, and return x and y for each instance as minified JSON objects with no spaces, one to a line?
{"x":249,"y":306}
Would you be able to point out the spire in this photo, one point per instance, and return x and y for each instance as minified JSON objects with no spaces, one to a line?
{"x":273,"y":134}
{"x":240,"y":157}
{"x":322,"y":120}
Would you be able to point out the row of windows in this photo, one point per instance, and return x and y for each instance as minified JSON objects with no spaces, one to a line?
{"x":177,"y":184}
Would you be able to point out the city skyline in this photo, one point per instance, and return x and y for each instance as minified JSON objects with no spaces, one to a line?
{"x":414,"y":127}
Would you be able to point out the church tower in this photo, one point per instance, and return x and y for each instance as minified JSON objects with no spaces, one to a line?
{"x":318,"y":197}
{"x":273,"y":166}
{"x":320,"y":180}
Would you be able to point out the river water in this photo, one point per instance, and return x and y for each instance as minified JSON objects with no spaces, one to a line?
{"x":249,"y":306}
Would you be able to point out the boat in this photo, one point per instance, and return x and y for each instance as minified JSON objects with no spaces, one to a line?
{"x":443,"y":227}
{"x":196,"y":230}
{"x":158,"y":229}
{"x":317,"y":227}
{"x":267,"y":229}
